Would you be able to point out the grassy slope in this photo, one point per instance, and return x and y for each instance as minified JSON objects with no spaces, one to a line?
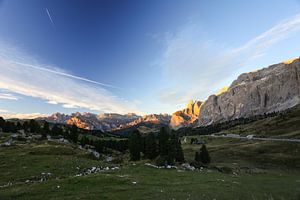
{"x":265,"y":169}
{"x":161,"y":184}
{"x":22,"y":162}
{"x":286,"y":125}
{"x":237,"y":153}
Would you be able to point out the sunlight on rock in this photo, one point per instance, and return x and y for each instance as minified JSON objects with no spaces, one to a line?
{"x":222,"y":90}
{"x":289,"y":61}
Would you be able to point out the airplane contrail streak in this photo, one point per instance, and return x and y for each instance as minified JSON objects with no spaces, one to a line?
{"x":65,"y":74}
{"x":50,"y":18}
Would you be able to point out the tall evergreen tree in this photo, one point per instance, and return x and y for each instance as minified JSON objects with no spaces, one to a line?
{"x":171,"y":149}
{"x":9,"y":127}
{"x":56,"y":130}
{"x":19,"y":126}
{"x":150,"y":146}
{"x":179,"y":157}
{"x":26,"y":126}
{"x":74,"y":134}
{"x":34,"y":126}
{"x":46,"y":129}
{"x":163,"y":138}
{"x":135,"y":145}
{"x":204,"y":155}
{"x":2,"y":122}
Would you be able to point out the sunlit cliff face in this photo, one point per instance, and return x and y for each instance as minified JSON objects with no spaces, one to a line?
{"x":289,"y":61}
{"x":78,"y":123}
{"x":187,"y":116}
{"x":222,"y":90}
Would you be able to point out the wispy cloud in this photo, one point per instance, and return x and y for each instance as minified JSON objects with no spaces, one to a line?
{"x":6,"y":114}
{"x":3,"y":111}
{"x":8,"y":96}
{"x":52,"y":102}
{"x":50,"y":18}
{"x":195,"y":66}
{"x":22,"y":74}
{"x":21,"y":115}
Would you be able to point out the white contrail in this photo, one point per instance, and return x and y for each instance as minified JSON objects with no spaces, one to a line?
{"x":50,"y":18}
{"x":64,"y":74}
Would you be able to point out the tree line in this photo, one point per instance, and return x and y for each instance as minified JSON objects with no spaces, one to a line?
{"x":217,"y":127}
{"x":43,"y":128}
{"x":165,"y":148}
{"x":102,"y":145}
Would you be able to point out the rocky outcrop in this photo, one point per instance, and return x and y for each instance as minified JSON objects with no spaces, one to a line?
{"x":186,"y":117}
{"x":77,"y":122}
{"x":271,"y":89}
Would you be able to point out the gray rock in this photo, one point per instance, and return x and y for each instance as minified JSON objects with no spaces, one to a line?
{"x":271,"y":89}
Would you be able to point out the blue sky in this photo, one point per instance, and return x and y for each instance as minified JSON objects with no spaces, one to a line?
{"x":135,"y":55}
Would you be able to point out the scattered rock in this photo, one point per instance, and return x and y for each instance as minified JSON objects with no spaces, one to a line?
{"x":187,"y":166}
{"x":151,"y":165}
{"x":109,"y":159}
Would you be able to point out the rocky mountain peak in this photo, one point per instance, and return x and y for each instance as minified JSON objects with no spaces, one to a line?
{"x":186,"y":117}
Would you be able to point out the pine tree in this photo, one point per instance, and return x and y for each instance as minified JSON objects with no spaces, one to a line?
{"x":171,"y":149}
{"x":56,"y":130}
{"x":34,"y":126}
{"x":2,"y":122}
{"x":163,"y":138}
{"x":74,"y":134}
{"x":204,"y":155}
{"x":179,"y":157}
{"x":8,"y":127}
{"x":26,"y":126}
{"x":135,"y":145}
{"x":19,"y":126}
{"x":46,"y":129}
{"x":150,"y":147}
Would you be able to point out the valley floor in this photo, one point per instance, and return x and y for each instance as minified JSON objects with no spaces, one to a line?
{"x":240,"y":169}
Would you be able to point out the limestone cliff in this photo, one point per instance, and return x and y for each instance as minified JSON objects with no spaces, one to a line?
{"x":271,"y":89}
{"x":186,"y":117}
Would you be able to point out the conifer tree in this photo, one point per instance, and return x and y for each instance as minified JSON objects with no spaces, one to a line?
{"x":2,"y":122}
{"x":135,"y":145}
{"x":179,"y":157}
{"x":150,"y":146}
{"x":26,"y":126}
{"x":204,"y":155}
{"x":163,"y":138}
{"x":19,"y":126}
{"x":56,"y":130}
{"x":74,"y":134}
{"x":46,"y":129}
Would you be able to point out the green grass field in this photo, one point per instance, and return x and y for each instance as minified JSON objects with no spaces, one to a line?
{"x":269,"y":179}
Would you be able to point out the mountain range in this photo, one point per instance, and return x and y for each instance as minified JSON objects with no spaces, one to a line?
{"x":272,"y":89}
{"x":107,"y":121}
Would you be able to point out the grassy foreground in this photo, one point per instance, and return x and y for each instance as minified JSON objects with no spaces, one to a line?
{"x":23,"y":165}
{"x":161,"y":184}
